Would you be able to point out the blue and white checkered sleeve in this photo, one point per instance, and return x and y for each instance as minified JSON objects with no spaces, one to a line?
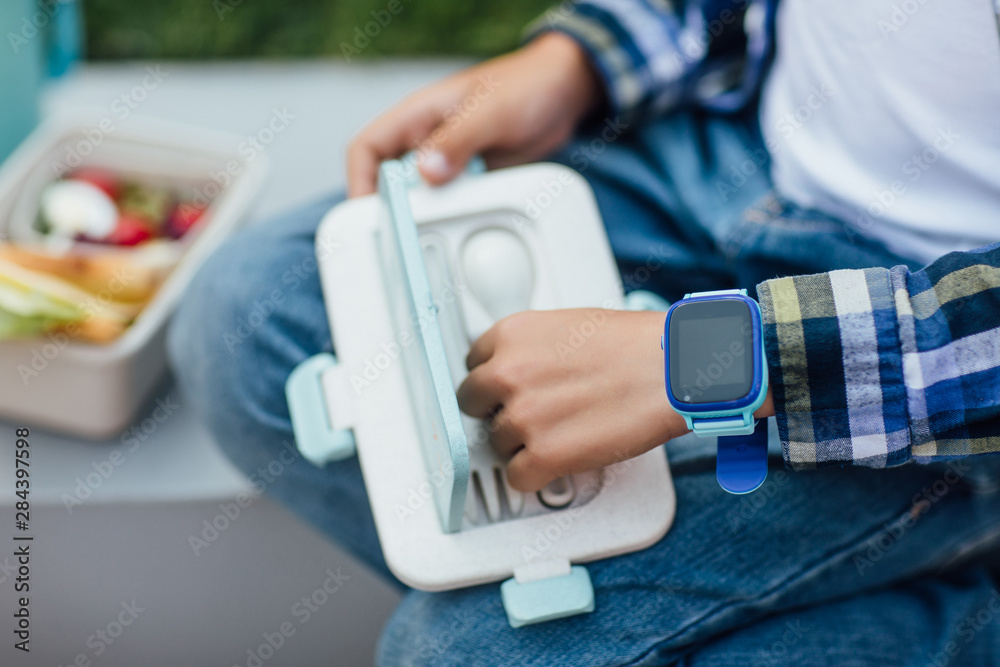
{"x":651,"y":57}
{"x":876,"y":367}
{"x":949,"y":323}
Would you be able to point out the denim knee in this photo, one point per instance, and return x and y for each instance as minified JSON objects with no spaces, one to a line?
{"x":238,"y":333}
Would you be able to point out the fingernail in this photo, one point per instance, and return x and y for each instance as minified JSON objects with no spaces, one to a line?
{"x":436,"y":164}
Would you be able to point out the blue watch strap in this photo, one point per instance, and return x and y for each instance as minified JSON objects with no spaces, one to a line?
{"x":741,"y":463}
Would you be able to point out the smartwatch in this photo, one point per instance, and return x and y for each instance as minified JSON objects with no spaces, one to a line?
{"x":716,"y":378}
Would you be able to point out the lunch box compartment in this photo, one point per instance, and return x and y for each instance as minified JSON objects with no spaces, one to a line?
{"x":93,"y":390}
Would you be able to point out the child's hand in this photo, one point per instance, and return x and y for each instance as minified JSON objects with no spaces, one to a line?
{"x":579,"y":389}
{"x":513,"y":109}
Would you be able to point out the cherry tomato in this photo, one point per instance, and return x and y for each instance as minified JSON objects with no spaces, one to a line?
{"x":129,"y":231}
{"x":101,"y":178}
{"x":182,"y":218}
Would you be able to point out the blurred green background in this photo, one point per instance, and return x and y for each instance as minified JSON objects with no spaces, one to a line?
{"x":179,"y":29}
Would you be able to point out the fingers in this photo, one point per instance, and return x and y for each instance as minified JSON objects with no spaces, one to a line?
{"x":482,"y":395}
{"x":482,"y":348}
{"x":446,"y":142}
{"x":455,"y":140}
{"x":479,"y":395}
{"x":498,"y":157}
{"x":505,"y":439}
{"x":429,"y":122}
{"x":446,"y":161}
{"x":391,"y":135}
{"x":362,"y":170}
{"x":525,"y":473}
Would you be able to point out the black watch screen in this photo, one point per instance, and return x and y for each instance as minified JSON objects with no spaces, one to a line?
{"x":711,"y":351}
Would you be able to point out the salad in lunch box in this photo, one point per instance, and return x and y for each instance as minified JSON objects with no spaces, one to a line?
{"x":95,"y":206}
{"x":100,"y":246}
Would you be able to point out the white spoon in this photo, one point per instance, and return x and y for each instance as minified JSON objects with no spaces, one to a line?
{"x":500,"y":275}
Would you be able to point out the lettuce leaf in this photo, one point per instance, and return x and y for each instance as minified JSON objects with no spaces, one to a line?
{"x":18,"y":326}
{"x":27,"y":312}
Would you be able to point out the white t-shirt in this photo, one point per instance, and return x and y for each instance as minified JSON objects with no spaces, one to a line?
{"x":886,"y":114}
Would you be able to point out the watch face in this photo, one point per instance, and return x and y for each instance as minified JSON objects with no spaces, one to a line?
{"x":711,"y":351}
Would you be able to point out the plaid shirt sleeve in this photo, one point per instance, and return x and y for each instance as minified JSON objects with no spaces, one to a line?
{"x":652,"y":57}
{"x":878,"y":367}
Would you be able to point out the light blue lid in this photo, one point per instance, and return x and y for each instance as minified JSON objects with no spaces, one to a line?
{"x":432,"y":394}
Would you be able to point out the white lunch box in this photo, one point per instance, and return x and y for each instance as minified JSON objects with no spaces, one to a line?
{"x":95,"y":390}
{"x":411,"y":276}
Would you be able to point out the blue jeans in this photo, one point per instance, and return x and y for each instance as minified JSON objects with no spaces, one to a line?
{"x":815,"y":568}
